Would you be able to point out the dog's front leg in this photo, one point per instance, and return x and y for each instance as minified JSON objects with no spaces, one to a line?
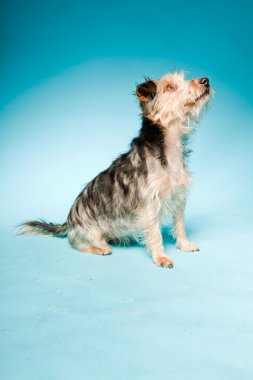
{"x":155,"y":245}
{"x":180,"y":234}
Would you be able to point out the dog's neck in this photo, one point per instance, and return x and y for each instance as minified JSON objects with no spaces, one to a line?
{"x":175,"y":145}
{"x":168,"y":144}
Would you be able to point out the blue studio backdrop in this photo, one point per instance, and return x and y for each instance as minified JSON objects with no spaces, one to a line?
{"x":68,"y":72}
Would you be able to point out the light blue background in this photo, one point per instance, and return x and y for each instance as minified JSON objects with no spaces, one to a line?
{"x":68,"y":71}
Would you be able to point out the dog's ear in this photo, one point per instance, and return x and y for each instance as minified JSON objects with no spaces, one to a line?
{"x":146,"y":90}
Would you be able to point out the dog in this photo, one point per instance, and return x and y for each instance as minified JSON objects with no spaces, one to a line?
{"x":143,"y":186}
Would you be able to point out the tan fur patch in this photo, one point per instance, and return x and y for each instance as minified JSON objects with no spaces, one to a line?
{"x":98,"y":250}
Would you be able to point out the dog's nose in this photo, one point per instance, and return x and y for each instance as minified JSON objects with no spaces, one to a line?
{"x":204,"y":81}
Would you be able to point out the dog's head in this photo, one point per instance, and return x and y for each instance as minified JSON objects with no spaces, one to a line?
{"x":173,"y":99}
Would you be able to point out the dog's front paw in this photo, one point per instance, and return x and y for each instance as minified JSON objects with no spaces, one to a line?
{"x":187,"y":246}
{"x":163,"y":261}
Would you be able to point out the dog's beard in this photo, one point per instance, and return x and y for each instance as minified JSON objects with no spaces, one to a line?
{"x":204,"y":94}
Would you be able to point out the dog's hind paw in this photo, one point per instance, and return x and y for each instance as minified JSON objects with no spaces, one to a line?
{"x":103,"y":250}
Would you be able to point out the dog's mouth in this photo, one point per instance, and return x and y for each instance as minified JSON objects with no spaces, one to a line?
{"x":198,"y":98}
{"x":204,"y":93}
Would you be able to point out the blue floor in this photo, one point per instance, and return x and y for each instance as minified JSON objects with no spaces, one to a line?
{"x":70,"y":315}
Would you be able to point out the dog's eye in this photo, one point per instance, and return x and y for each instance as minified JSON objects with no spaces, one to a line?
{"x":170,"y":87}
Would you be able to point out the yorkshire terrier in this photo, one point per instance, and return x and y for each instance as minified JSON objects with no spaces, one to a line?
{"x":144,"y":185}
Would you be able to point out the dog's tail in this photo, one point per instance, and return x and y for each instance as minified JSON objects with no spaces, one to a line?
{"x":40,"y":227}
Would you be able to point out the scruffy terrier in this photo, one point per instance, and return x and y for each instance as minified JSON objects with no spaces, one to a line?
{"x":144,"y":185}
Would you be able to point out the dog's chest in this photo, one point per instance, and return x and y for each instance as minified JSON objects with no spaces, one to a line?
{"x":165,"y":182}
{"x":173,"y":180}
{"x":176,"y":171}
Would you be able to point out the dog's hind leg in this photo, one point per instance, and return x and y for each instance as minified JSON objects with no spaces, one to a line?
{"x":85,"y":241}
